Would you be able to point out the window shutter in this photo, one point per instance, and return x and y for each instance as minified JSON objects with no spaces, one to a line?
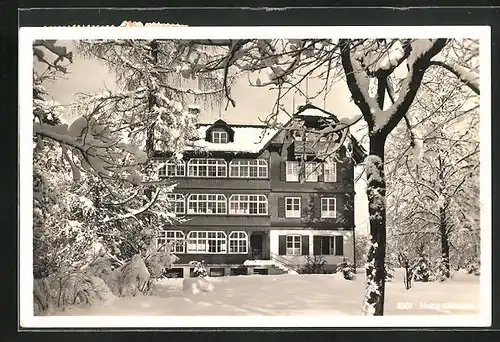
{"x":325,"y":245}
{"x":305,"y":244}
{"x":317,"y":207}
{"x":339,"y":245}
{"x":317,"y":245}
{"x":303,"y":207}
{"x":321,"y":172}
{"x":283,"y":171}
{"x":281,"y":206}
{"x":282,"y":245}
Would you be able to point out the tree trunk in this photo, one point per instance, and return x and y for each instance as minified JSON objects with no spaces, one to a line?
{"x":376,"y":190}
{"x":445,"y":245}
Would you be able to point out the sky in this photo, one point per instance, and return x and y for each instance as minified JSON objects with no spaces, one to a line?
{"x":90,"y":76}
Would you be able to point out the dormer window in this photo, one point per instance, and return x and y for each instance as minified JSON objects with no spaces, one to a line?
{"x":219,"y":133}
{"x":220,"y":137}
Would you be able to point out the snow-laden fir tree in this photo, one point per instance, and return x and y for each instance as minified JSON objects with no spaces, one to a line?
{"x":92,"y":175}
{"x":441,"y":269}
{"x":422,"y":269}
{"x":473,"y":266}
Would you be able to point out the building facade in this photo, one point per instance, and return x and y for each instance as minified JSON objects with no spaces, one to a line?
{"x":261,"y":199}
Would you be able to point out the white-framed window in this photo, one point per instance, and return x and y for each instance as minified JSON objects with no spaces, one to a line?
{"x":198,"y":167}
{"x":293,"y":245}
{"x":174,"y":238}
{"x":292,"y":171}
{"x":248,"y":204}
{"x":177,"y":203}
{"x":252,"y":168}
{"x":172,"y":169}
{"x":220,"y":137}
{"x":328,"y":207}
{"x":206,"y":242}
{"x":292,"y":206}
{"x":311,"y":172}
{"x":207,"y":204}
{"x":238,"y":243}
{"x":330,"y":171}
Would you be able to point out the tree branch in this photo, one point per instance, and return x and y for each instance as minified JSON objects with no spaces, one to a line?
{"x":354,"y":80}
{"x":467,"y":77}
{"x":418,"y":62}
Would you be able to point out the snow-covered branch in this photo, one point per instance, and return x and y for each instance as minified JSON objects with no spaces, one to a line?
{"x":136,"y":212}
{"x":418,"y":62}
{"x":468,"y":77}
{"x":357,"y":81}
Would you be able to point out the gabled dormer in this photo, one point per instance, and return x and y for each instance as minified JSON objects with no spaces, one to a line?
{"x":299,"y":142}
{"x":219,"y":133}
{"x":313,"y":117}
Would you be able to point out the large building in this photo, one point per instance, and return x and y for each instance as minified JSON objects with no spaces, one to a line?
{"x":251,"y":205}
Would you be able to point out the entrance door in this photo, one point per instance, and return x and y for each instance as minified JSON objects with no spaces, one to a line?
{"x":256,"y":246}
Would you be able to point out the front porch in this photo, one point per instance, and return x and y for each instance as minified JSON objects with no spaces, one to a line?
{"x":259,"y":246}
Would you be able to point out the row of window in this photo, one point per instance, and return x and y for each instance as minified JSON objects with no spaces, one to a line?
{"x":216,"y":242}
{"x":252,"y":168}
{"x":215,"y":168}
{"x":202,"y":242}
{"x":327,"y":245}
{"x":293,"y":207}
{"x":243,"y":205}
{"x":311,"y":172}
{"x":222,"y":137}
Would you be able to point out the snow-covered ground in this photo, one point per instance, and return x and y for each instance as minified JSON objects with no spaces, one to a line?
{"x":297,"y":295}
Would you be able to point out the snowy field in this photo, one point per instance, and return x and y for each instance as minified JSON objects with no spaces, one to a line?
{"x":296,"y":295}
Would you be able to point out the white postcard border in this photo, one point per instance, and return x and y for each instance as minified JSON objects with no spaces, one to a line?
{"x":28,"y":34}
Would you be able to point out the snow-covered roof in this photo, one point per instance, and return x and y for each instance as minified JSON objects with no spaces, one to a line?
{"x":314,"y":112}
{"x":253,"y":138}
{"x":248,"y":138}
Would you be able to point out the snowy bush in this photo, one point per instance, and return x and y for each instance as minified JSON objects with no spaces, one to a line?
{"x":473,"y":266}
{"x":158,"y":262}
{"x":422,"y":269}
{"x":199,"y":269}
{"x":131,"y":278}
{"x":197,"y":285}
{"x":200,"y":282}
{"x":68,"y":289}
{"x":347,"y":270}
{"x":314,"y":265}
